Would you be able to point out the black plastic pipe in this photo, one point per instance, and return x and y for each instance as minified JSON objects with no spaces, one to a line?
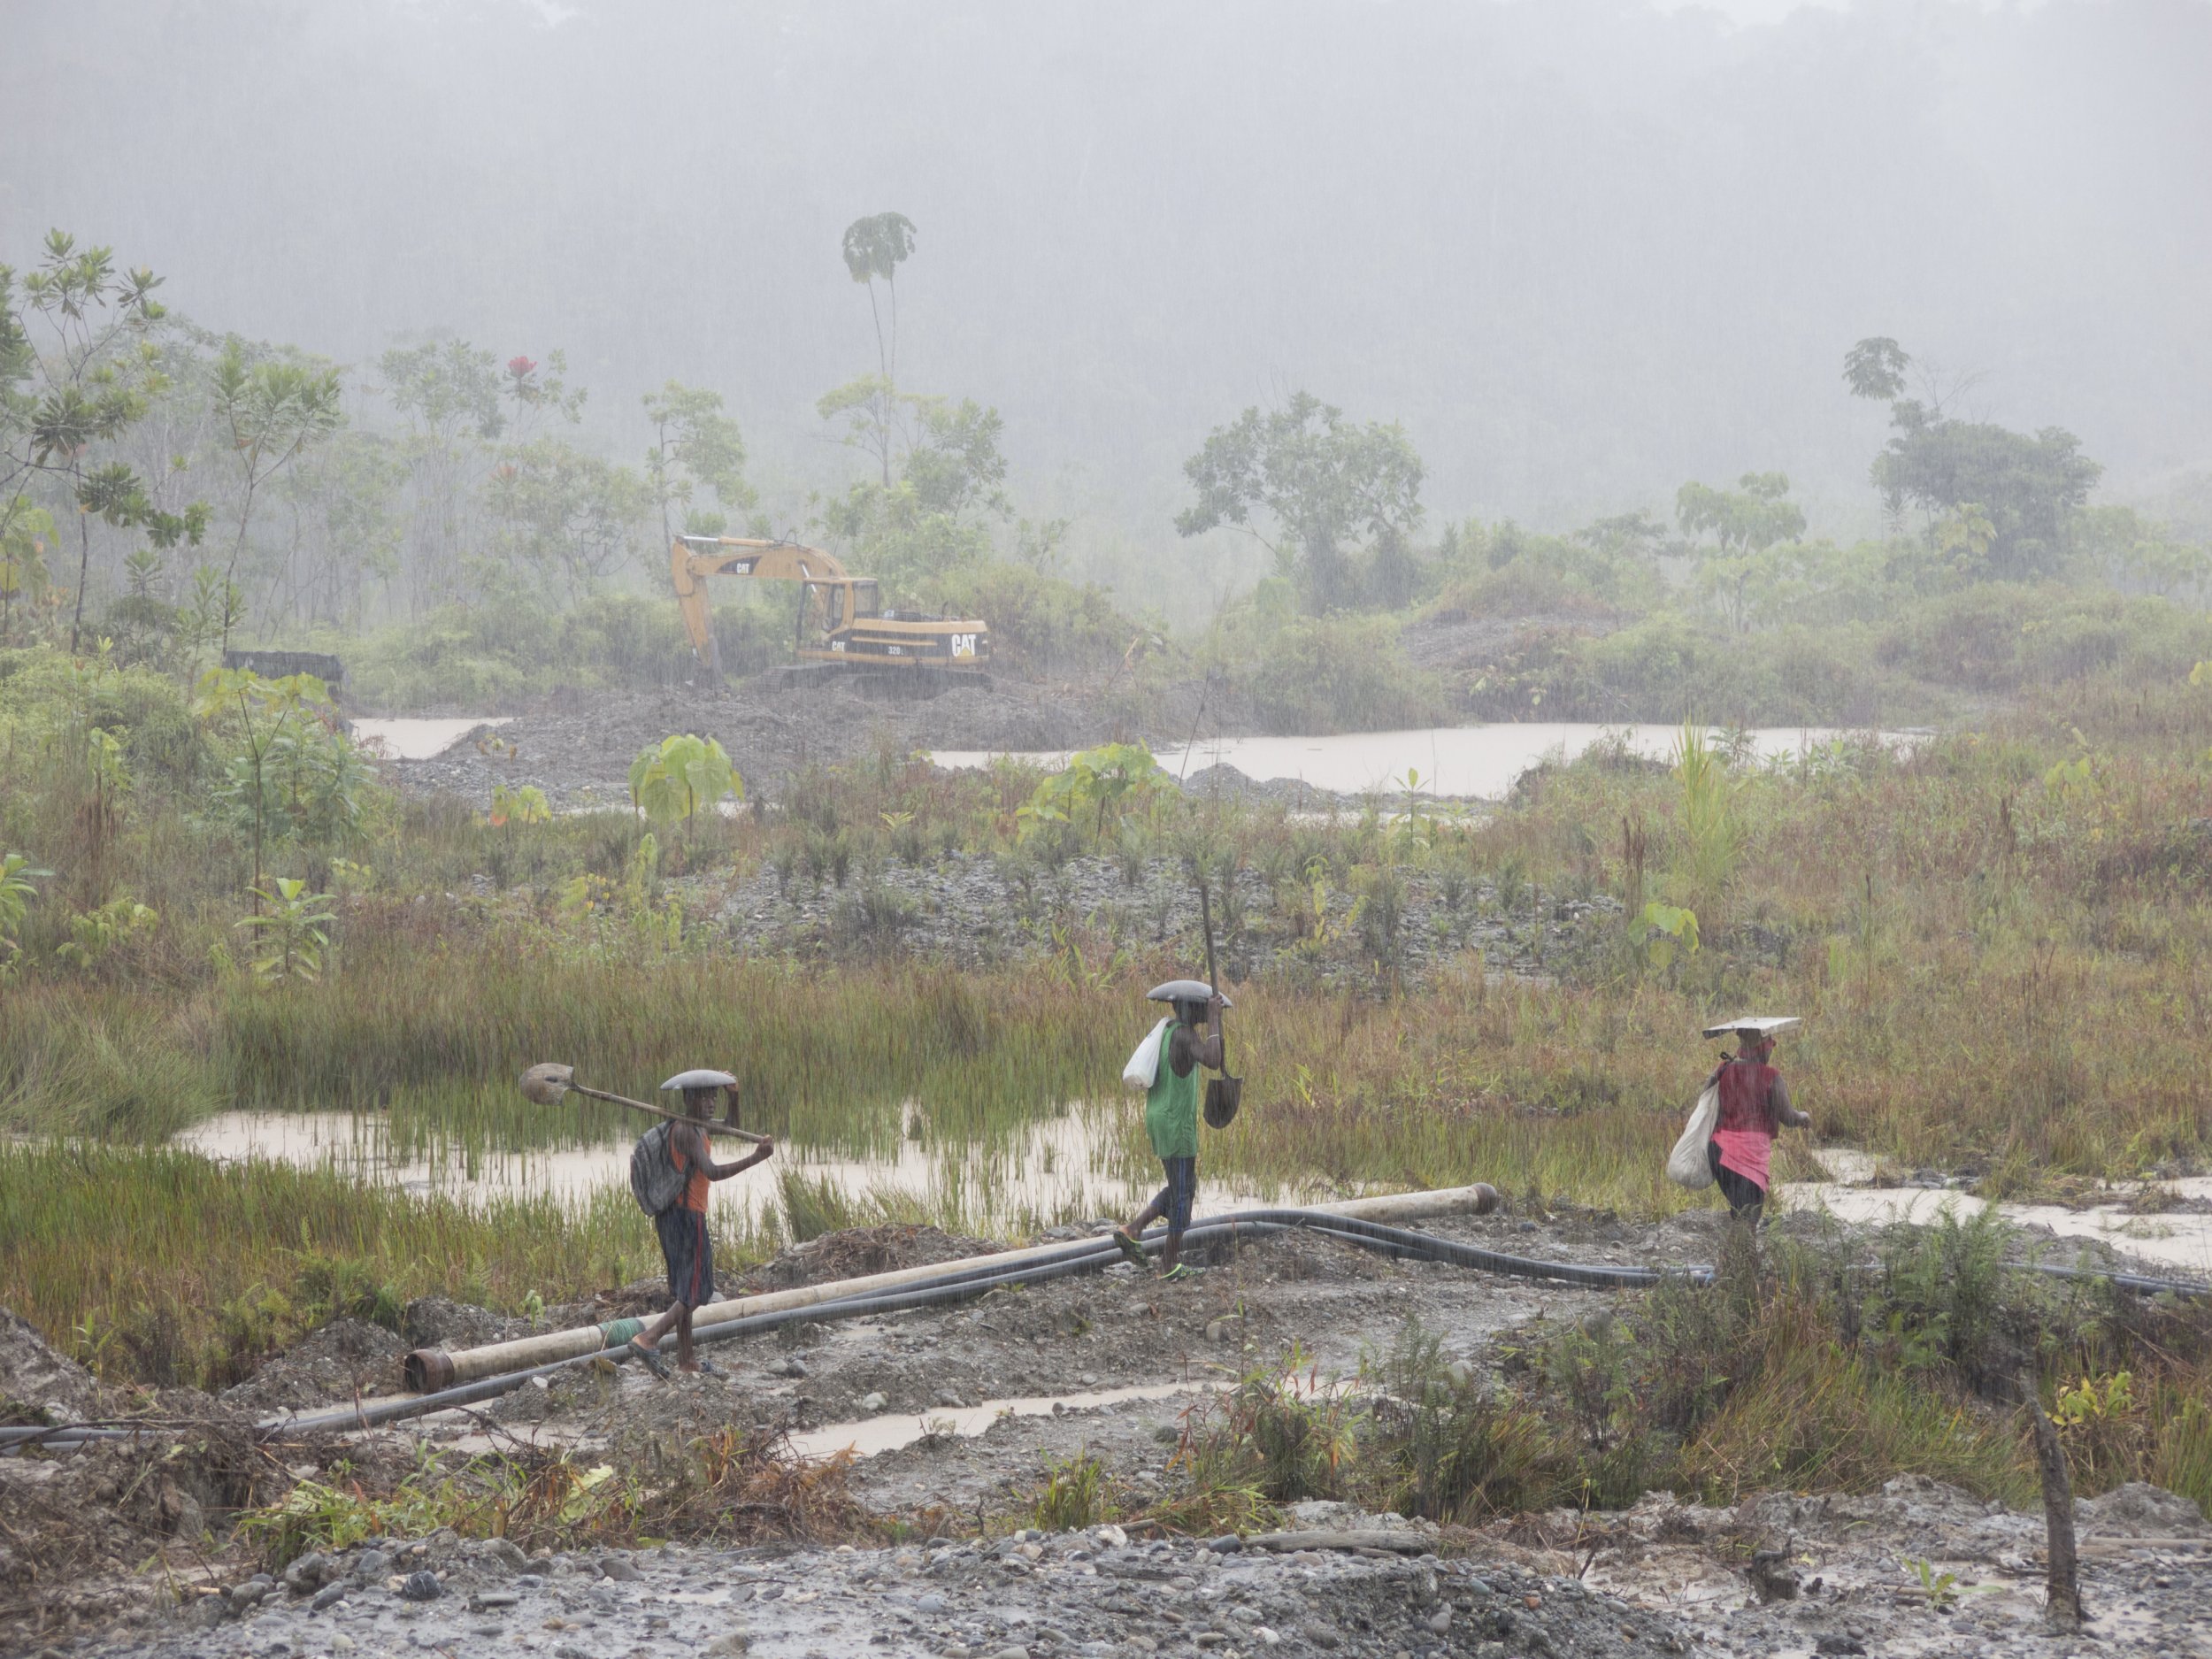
{"x":961,"y":1283}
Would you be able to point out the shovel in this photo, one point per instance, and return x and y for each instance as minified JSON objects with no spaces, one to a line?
{"x":545,"y":1084}
{"x":1223,"y":1094}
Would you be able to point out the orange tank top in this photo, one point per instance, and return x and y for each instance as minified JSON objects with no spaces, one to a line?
{"x":694,"y":1188}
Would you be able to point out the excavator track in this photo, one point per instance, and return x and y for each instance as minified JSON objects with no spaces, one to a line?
{"x":890,"y":685}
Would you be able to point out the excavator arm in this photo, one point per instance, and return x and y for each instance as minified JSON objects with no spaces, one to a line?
{"x":693,"y":558}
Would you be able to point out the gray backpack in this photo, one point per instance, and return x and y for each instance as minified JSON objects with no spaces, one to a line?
{"x":655,"y":1181}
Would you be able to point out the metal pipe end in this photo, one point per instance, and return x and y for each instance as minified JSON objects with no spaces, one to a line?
{"x":426,"y":1370}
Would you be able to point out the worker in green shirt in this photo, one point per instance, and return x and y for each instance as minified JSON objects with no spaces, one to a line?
{"x":1170,"y":1118}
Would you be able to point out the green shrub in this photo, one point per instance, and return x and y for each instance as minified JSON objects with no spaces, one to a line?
{"x":2001,"y":636}
{"x":1040,"y":623}
{"x":46,"y":698}
{"x":1074,"y":1496}
{"x":491,"y":654}
{"x":1334,"y":673}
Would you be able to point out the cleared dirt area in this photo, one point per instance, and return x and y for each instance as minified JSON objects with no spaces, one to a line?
{"x":1781,"y":1573}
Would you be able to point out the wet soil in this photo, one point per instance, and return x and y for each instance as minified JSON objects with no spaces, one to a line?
{"x":1662,"y":1577}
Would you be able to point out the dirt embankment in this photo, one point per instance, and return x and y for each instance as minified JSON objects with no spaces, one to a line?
{"x":579,"y":750}
{"x":1468,"y":645}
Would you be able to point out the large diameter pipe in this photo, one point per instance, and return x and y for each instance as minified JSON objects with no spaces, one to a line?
{"x":429,"y":1370}
{"x":963,"y":1281}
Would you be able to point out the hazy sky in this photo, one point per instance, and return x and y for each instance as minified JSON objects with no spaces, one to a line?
{"x":1583,"y":250}
{"x":1756,"y":11}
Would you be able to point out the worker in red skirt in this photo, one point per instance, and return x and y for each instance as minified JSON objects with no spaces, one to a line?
{"x":1755,"y":1107}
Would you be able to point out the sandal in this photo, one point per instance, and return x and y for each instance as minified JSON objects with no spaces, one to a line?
{"x":651,"y":1359}
{"x":1181,"y":1270}
{"x":1129,"y":1248}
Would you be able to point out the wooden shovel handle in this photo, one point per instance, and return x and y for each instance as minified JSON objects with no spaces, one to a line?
{"x":1213,"y":981}
{"x":662,"y":1111}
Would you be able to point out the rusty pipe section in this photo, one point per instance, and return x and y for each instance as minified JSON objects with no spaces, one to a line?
{"x":429,"y":1370}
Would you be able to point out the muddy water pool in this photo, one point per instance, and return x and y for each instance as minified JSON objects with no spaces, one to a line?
{"x":2178,"y":1239}
{"x":418,"y":739}
{"x":868,"y":1436}
{"x":1478,"y":761}
{"x":1468,"y":761}
{"x":1069,"y":1166}
{"x":1055,"y":1167}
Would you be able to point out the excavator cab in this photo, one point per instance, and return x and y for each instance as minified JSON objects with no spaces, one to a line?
{"x":846,"y":602}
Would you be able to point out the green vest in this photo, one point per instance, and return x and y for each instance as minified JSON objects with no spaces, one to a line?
{"x":1171,"y":1107}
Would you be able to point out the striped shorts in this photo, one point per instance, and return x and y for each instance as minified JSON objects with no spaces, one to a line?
{"x":689,"y":1254}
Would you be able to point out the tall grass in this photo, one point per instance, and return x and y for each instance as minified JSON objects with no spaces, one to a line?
{"x":1992,"y":1061}
{"x":169,"y":1267}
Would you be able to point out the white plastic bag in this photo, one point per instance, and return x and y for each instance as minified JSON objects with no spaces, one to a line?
{"x":1687,"y":1165}
{"x":1144,"y":1064}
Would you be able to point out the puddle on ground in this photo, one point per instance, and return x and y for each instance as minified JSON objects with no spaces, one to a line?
{"x":864,"y":1438}
{"x":1481,"y":761}
{"x":2180,"y":1239}
{"x":1054,"y":1169}
{"x":416,"y":740}
{"x":871,"y":1435}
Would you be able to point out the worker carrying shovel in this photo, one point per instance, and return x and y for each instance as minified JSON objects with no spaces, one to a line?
{"x":1173,"y":1052}
{"x":671,"y":1171}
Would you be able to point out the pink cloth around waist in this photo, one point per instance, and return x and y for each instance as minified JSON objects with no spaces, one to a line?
{"x":1745,"y":1151}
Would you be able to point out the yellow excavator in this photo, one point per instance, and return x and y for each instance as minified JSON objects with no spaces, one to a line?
{"x":853,"y":634}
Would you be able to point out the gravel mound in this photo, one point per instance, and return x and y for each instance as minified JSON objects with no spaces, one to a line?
{"x":36,"y":1384}
{"x":342,"y":1358}
{"x":440,"y":1321}
{"x":1033,"y":1593}
{"x":2140,"y":1510}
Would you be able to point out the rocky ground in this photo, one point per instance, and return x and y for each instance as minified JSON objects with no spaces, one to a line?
{"x":977,"y":910}
{"x":579,"y":750}
{"x":962,"y":1403}
{"x":1660,"y":1582}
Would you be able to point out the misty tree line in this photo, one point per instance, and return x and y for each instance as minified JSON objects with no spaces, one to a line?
{"x":1338,"y":505}
{"x":213,"y":483}
{"x":207,"y":486}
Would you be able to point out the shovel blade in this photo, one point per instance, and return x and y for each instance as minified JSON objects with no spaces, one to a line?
{"x":544,"y":1084}
{"x":1224,"y":1095}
